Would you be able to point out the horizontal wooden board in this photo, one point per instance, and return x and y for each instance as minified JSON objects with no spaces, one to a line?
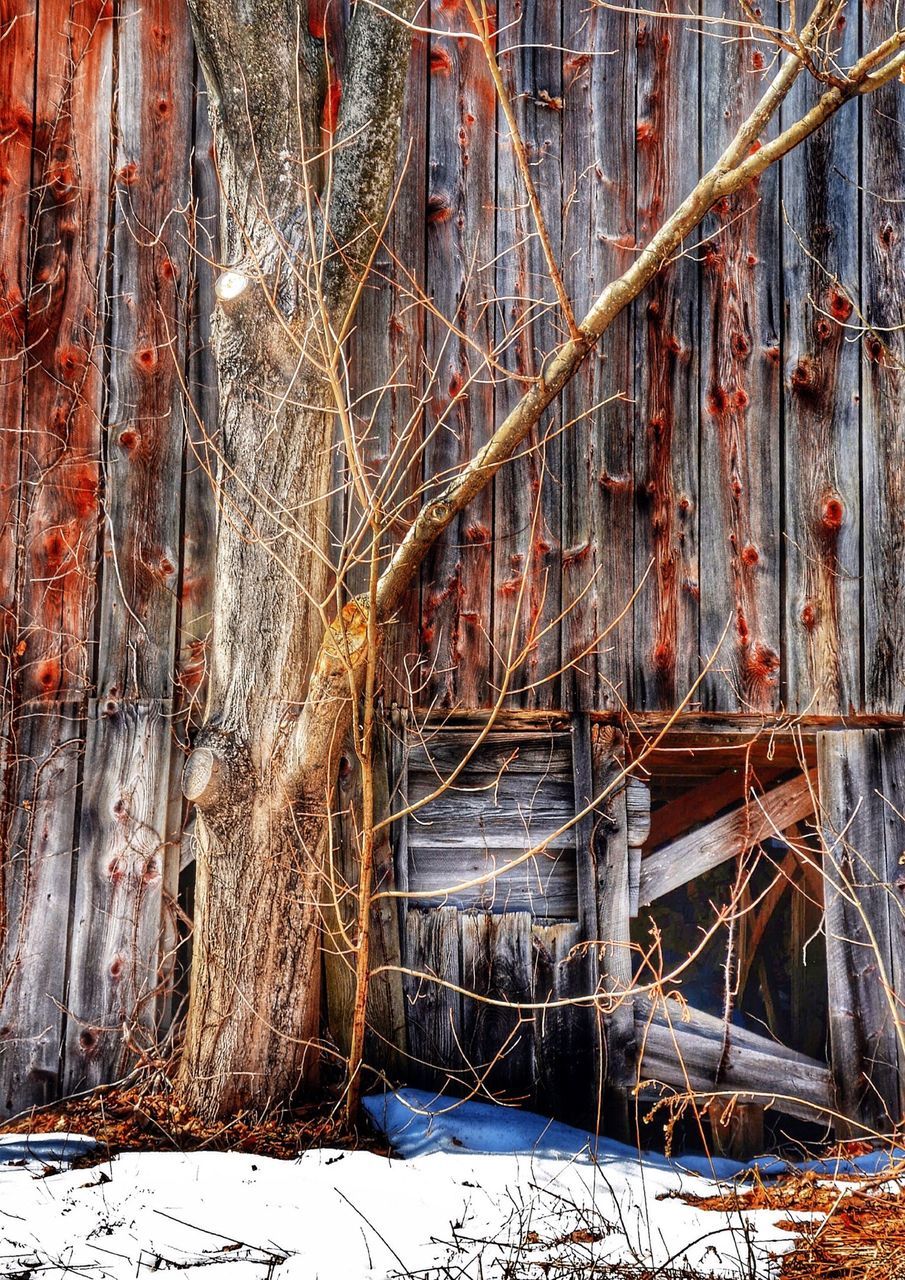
{"x":539,"y":753}
{"x":545,"y":885}
{"x":514,"y":812}
{"x":691,"y":1051}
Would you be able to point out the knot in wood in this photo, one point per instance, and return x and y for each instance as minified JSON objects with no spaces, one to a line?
{"x":203,"y":777}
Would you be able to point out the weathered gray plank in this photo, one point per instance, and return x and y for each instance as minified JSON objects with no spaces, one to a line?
{"x":883,"y":384}
{"x":545,"y":885}
{"x":741,"y":384}
{"x":456,"y":580}
{"x":541,"y":753}
{"x":614,"y":956}
{"x":434,"y":1012}
{"x":598,"y":244}
{"x":860,"y":889}
{"x":693,"y":1051}
{"x":822,"y":669}
{"x":148,"y":310}
{"x":727,"y":837}
{"x":116,"y":929}
{"x":564,"y":1066}
{"x":44,"y":749}
{"x":527,"y":506}
{"x":666,"y":451}
{"x":511,"y":812}
{"x":497,"y":962}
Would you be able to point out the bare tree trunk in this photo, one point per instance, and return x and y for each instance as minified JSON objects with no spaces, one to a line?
{"x":298,"y":235}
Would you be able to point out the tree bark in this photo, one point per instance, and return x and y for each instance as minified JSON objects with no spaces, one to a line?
{"x":298,"y":234}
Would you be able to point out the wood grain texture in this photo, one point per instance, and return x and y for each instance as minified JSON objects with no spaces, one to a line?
{"x":497,"y":962}
{"x":527,"y":495}
{"x":17,"y":83}
{"x":728,"y":837}
{"x":562,"y":1041}
{"x":155,"y":114}
{"x":666,"y":342}
{"x":864,"y":934}
{"x":689,"y":1052}
{"x":456,"y":578}
{"x":883,"y":388}
{"x":64,"y":334}
{"x":598,"y":243}
{"x":741,"y":393}
{"x":434,"y":1012}
{"x":388,"y":376}
{"x":116,"y":930}
{"x":36,"y":870}
{"x":610,"y":852}
{"x":822,"y":534}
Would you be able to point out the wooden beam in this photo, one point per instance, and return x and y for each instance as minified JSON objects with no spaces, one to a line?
{"x":704,"y":802}
{"x":864,"y":931}
{"x":691,"y":1051}
{"x":727,"y":837}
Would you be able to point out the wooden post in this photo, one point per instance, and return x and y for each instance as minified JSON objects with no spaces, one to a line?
{"x":865,"y":939}
{"x":609,"y":843}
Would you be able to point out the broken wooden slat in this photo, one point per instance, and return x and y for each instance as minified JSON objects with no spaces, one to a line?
{"x":822,"y":479}
{"x":666,"y":649}
{"x":36,"y":867}
{"x":497,"y":961}
{"x":741,"y":392}
{"x":727,"y":837}
{"x":599,"y":204}
{"x":433,"y":1011}
{"x":564,"y":1066}
{"x":114,"y":983}
{"x":692,"y":1054}
{"x":864,"y":950}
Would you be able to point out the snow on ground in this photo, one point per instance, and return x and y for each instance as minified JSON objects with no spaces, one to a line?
{"x":545,"y":1209}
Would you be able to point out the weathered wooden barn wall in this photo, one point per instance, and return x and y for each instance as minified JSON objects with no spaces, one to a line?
{"x":733,"y":452}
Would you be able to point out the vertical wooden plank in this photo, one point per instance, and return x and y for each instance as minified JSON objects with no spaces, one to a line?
{"x":64,"y":337}
{"x":434,"y":1011}
{"x":18,"y":36}
{"x":455,"y":598}
{"x":598,"y":244}
{"x":113,"y":992}
{"x":200,"y":458}
{"x":822,"y":473}
{"x":35,"y":877}
{"x":611,"y":857}
{"x":666,"y":461}
{"x":859,"y":944}
{"x":57,"y":520}
{"x":883,"y":384}
{"x":893,"y":800}
{"x":527,"y":507}
{"x":142,"y":547}
{"x":564,"y":1087}
{"x":497,"y":962}
{"x":740,"y":413}
{"x":144,"y":462}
